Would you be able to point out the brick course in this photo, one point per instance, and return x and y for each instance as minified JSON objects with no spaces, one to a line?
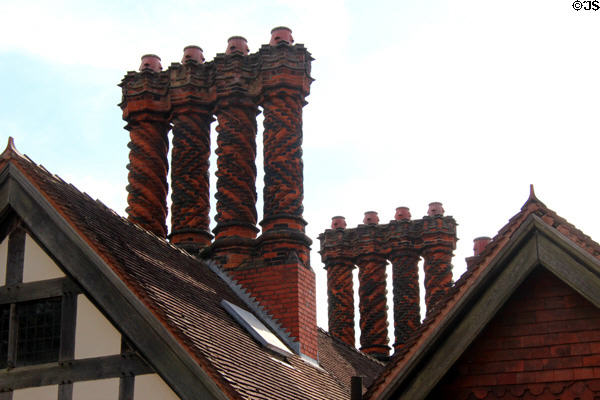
{"x":543,"y":343}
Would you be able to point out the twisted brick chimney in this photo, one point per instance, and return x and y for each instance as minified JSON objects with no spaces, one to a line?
{"x":370,"y":245}
{"x":191,"y":115}
{"x":145,"y":107}
{"x":275,"y":267}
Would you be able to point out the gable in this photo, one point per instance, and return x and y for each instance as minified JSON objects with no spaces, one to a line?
{"x":53,"y":323}
{"x":21,"y":200}
{"x":476,"y":299}
{"x":544,"y":341}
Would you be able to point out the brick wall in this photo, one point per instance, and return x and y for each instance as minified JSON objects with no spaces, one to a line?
{"x":543,"y":344}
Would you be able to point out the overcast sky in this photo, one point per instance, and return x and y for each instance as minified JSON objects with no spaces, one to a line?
{"x":464,"y":102}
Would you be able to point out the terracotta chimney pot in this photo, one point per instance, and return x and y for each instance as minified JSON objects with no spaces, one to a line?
{"x":237,"y":44}
{"x":435,"y":208}
{"x":338,"y":222}
{"x":192,"y":53}
{"x":151,"y":62}
{"x":479,"y":244}
{"x":281,"y":34}
{"x":402,"y":214}
{"x":371,"y":218}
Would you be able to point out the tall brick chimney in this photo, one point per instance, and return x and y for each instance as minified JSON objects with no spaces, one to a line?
{"x":275,"y":267}
{"x":337,"y":257}
{"x":439,"y":240}
{"x":145,"y":107}
{"x":191,"y":114}
{"x":404,"y":256}
{"x":372,"y":291}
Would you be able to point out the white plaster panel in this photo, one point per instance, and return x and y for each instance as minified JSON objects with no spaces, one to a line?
{"x":3,"y":258}
{"x":38,"y":266}
{"x":95,"y":336}
{"x":37,"y":393}
{"x":103,"y":389}
{"x":152,"y":387}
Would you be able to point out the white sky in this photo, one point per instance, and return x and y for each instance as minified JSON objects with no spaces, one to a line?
{"x":464,"y":102}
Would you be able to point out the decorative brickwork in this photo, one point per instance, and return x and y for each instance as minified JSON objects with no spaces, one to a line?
{"x":191,"y":115}
{"x":236,"y":168}
{"x":402,"y":242}
{"x":373,"y":305}
{"x":275,"y":267}
{"x":340,"y":300}
{"x":190,"y":180}
{"x":543,"y":344}
{"x":283,"y":192}
{"x":439,"y":240}
{"x":407,"y":309}
{"x":145,"y":108}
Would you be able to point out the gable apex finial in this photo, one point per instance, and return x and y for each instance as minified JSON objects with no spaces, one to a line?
{"x":10,"y":151}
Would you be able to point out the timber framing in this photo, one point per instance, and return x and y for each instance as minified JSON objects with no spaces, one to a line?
{"x":37,"y":290}
{"x":534,"y":245}
{"x":106,"y":290}
{"x":73,"y":371}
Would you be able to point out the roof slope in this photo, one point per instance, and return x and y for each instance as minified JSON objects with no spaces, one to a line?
{"x":344,"y":361}
{"x":184,"y":295}
{"x":434,"y":329}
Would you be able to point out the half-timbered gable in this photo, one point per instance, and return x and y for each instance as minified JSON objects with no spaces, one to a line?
{"x":132,"y":317}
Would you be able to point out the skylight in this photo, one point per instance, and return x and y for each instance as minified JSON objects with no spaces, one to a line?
{"x":256,"y":328}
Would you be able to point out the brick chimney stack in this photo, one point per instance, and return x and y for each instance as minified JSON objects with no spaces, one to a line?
{"x":439,"y":240}
{"x":191,"y":114}
{"x":370,"y":245}
{"x":337,"y":257}
{"x":372,"y":291}
{"x":275,"y":267}
{"x":145,"y":108}
{"x":404,"y":257}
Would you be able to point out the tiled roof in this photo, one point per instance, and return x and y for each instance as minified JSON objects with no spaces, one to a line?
{"x":533,"y":206}
{"x":344,"y":361}
{"x":184,"y":294}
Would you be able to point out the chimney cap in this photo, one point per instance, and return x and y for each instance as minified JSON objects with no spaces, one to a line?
{"x":193,"y":46}
{"x":402,"y":214}
{"x":237,"y":44}
{"x":281,"y":34}
{"x":435,"y":208}
{"x":338,"y":222}
{"x":371,"y":218}
{"x":193,"y":53}
{"x":279,"y":28}
{"x":151,"y":62}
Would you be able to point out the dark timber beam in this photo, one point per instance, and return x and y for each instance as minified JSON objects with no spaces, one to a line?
{"x":73,"y":371}
{"x":20,"y":292}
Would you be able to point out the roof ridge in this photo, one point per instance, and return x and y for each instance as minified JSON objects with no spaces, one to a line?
{"x":254,"y":306}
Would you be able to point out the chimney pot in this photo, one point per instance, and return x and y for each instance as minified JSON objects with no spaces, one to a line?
{"x":371,"y":218}
{"x":151,"y":62}
{"x":402,"y":214}
{"x":192,"y":54}
{"x":435,"y":208}
{"x":479,"y":244}
{"x":237,"y":44}
{"x":338,"y":222}
{"x":281,"y":34}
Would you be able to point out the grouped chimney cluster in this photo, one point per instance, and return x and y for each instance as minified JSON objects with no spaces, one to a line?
{"x":186,"y":98}
{"x":370,"y":246}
